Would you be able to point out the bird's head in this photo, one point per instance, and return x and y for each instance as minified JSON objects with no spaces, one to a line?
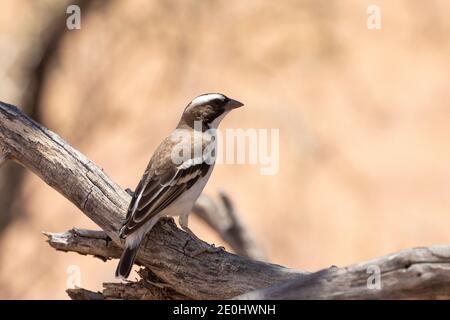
{"x":209,"y":109}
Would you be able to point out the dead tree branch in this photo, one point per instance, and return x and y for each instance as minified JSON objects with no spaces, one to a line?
{"x":170,"y":271}
{"x":85,"y":242}
{"x":418,"y":273}
{"x":167,"y":250}
{"x":149,"y":287}
{"x":83,"y":294}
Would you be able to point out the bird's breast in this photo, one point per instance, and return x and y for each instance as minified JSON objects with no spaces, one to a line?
{"x":187,"y":199}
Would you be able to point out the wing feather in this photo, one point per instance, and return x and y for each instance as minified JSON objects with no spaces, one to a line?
{"x":158,"y":189}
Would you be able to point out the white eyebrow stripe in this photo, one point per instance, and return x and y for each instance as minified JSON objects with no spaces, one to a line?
{"x":206,"y":98}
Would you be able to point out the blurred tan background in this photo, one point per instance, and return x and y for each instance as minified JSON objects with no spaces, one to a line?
{"x":363,"y":118}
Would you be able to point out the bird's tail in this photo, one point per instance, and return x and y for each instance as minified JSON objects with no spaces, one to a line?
{"x":126,"y":262}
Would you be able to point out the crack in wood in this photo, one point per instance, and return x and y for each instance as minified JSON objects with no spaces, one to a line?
{"x":211,"y":276}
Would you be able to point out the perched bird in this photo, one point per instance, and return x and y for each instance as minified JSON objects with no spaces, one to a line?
{"x":173,"y":181}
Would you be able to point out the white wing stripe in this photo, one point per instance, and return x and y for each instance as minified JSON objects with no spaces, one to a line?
{"x":184,"y":166}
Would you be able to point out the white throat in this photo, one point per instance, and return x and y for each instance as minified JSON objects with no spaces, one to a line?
{"x":217,"y":120}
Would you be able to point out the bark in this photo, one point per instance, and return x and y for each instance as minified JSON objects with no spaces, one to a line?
{"x":167,"y":251}
{"x":170,"y":271}
{"x":418,"y":273}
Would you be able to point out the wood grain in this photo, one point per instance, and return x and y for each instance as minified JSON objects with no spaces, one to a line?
{"x":170,"y":271}
{"x":167,"y":251}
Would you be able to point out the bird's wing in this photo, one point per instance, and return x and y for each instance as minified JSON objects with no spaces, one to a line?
{"x":160,"y":186}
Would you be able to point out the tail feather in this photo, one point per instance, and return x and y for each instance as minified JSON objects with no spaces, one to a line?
{"x":126,"y":262}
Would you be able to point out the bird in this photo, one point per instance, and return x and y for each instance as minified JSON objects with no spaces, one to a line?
{"x":175,"y":175}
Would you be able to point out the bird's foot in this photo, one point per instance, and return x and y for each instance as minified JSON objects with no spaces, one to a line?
{"x":128,"y":190}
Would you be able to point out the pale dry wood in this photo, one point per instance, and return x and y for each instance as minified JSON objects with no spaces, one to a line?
{"x":124,"y":291}
{"x":418,"y":273}
{"x":139,"y":291}
{"x":421,"y":273}
{"x":83,"y":294}
{"x":85,"y":242}
{"x":98,"y":244}
{"x":167,"y":250}
{"x":415,"y":273}
{"x":148,"y":287}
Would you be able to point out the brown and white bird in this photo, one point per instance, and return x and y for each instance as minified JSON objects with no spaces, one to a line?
{"x":172,"y":183}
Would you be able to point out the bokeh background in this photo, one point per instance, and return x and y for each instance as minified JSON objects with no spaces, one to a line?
{"x":363,"y":118}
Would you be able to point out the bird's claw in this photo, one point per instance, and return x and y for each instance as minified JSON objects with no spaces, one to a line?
{"x":128,"y":190}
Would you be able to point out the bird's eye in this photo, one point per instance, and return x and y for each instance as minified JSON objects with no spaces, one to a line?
{"x":218,"y":102}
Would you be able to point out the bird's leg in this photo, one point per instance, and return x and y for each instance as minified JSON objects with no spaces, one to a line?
{"x":204,"y":247}
{"x":128,"y":190}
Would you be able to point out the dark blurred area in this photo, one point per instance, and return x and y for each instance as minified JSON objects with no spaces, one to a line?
{"x":363,"y":119}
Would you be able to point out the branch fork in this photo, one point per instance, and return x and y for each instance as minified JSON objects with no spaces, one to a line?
{"x":169,"y":271}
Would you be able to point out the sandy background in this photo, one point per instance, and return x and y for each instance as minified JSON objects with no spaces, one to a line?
{"x":363,"y":118}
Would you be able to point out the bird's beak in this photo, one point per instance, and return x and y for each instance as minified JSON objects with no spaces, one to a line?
{"x":233,"y":104}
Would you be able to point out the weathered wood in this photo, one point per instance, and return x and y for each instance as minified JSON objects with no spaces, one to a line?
{"x":418,"y":273}
{"x":149,"y":287}
{"x":166,"y":251}
{"x":85,"y":242}
{"x":83,"y":294}
{"x":172,"y":272}
{"x":421,"y":273}
{"x":125,"y":291}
